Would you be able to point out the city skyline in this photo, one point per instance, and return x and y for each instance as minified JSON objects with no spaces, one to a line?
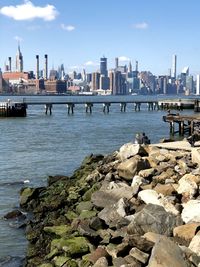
{"x":78,"y":34}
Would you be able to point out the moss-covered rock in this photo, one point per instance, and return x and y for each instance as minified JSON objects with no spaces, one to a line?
{"x":87,"y":214}
{"x":46,"y":265}
{"x":84,"y":205}
{"x":60,"y":260}
{"x":60,"y":230}
{"x":72,"y":246}
{"x":71,"y":215}
{"x":88,"y":194}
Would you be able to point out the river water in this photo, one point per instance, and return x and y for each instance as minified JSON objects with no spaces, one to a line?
{"x":39,"y":145}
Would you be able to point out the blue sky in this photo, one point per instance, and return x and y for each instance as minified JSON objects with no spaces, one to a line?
{"x":77,"y":33}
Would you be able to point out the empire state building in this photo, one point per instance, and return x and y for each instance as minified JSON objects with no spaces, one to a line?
{"x":19,"y":60}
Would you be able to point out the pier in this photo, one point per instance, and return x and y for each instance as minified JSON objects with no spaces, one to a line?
{"x":89,"y":103}
{"x":182,"y":124}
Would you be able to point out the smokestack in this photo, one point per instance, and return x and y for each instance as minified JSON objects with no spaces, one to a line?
{"x":37,"y":67}
{"x":10,"y":66}
{"x":46,"y":67}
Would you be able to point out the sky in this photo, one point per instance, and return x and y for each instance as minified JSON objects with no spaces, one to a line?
{"x":78,"y":33}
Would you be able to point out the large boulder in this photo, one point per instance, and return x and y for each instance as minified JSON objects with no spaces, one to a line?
{"x":113,"y":214}
{"x":188,"y":185}
{"x":129,"y":150}
{"x":185,"y":233}
{"x":191,"y":211}
{"x":166,"y":253}
{"x":104,"y":198}
{"x":153,"y":218}
{"x":130,"y":167}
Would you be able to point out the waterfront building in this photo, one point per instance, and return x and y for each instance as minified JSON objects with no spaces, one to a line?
{"x":95,"y":81}
{"x":19,"y":60}
{"x":117,"y":83}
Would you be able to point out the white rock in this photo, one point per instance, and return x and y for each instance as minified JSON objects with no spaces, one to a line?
{"x":191,"y":211}
{"x":187,"y":185}
{"x":149,"y":196}
{"x":195,"y":244}
{"x":136,"y":182}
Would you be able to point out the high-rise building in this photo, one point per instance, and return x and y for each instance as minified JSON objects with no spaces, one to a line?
{"x":19,"y":60}
{"x":95,"y":80}
{"x":46,"y":67}
{"x":174,"y":63}
{"x":198,"y":84}
{"x":103,"y":66}
{"x":117,"y":83}
{"x":116,"y":62}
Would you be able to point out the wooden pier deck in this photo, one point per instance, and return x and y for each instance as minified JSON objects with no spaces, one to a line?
{"x":182,"y":124}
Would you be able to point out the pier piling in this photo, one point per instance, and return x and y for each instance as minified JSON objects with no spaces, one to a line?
{"x":106,"y":107}
{"x":123,"y":107}
{"x":48,"y":107}
{"x":70,"y":107}
{"x":88,"y":106}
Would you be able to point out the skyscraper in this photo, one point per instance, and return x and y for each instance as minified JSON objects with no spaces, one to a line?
{"x":46,"y":67}
{"x":103,"y":66}
{"x":174,"y":63}
{"x":198,"y":85}
{"x":19,"y":60}
{"x":116,"y":62}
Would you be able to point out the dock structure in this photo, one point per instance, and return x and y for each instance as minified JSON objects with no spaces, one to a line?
{"x":12,"y":109}
{"x":89,"y":103}
{"x":182,"y":124}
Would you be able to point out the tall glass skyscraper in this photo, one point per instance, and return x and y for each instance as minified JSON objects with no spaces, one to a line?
{"x":103,"y":66}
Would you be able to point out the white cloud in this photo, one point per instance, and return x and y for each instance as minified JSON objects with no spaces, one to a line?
{"x":28,"y":11}
{"x":141,"y":26}
{"x":124,"y":58}
{"x":68,"y":28}
{"x":91,"y":63}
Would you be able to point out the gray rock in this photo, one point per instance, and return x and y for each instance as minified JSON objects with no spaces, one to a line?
{"x":139,"y":255}
{"x":101,"y":262}
{"x":112,"y":215}
{"x":102,"y":199}
{"x":167,"y":254}
{"x":153,"y":218}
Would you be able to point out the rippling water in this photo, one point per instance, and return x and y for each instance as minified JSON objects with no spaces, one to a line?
{"x":36,"y":146}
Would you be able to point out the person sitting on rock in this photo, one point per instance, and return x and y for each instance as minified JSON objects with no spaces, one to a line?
{"x":138,"y":138}
{"x":145,"y":139}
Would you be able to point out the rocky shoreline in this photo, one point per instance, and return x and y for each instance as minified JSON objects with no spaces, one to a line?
{"x":139,"y":206}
